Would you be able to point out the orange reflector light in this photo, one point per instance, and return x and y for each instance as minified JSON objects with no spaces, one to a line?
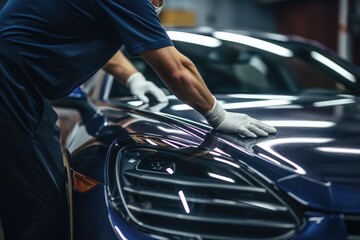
{"x":82,"y":183}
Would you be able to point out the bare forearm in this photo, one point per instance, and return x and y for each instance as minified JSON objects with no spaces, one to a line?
{"x":189,"y":87}
{"x":182,"y":78}
{"x":120,"y":67}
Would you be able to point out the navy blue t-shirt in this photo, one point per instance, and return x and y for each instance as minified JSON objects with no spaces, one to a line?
{"x":66,"y":41}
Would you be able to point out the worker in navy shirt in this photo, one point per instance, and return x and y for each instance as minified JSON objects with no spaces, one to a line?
{"x":49,"y":47}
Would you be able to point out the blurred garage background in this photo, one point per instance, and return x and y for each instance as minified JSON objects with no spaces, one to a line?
{"x":334,"y":23}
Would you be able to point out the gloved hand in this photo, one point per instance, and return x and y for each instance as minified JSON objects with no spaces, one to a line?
{"x":139,"y":86}
{"x":238,"y":123}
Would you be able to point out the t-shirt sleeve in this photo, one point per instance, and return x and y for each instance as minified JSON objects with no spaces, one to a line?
{"x":136,"y":24}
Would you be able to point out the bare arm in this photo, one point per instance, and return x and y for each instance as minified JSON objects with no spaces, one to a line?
{"x":120,"y":67}
{"x":184,"y":80}
{"x":181,"y":77}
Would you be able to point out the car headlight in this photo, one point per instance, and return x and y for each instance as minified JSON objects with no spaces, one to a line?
{"x":185,"y":194}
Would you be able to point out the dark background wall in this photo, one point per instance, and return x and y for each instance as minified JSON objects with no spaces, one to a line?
{"x":313,"y":19}
{"x":228,"y":13}
{"x":355,"y":28}
{"x":356,"y":50}
{"x":317,"y":20}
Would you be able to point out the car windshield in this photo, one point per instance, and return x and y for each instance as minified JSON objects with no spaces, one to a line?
{"x":278,"y":67}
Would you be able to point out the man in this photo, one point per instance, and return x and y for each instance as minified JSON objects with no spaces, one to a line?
{"x":47,"y":48}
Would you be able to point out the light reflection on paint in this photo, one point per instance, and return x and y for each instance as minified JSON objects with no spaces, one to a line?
{"x":264,"y":205}
{"x":346,"y":95}
{"x":159,"y":237}
{"x":264,"y":96}
{"x":268,"y":146}
{"x":185,"y":120}
{"x":339,"y":150}
{"x":177,"y":143}
{"x":302,"y":124}
{"x":170,"y":130}
{"x":120,"y":233}
{"x":290,"y":106}
{"x":184,"y":202}
{"x":269,"y":158}
{"x":151,"y":142}
{"x":302,"y":201}
{"x":317,"y":220}
{"x":135,"y":103}
{"x":132,"y":160}
{"x":253,"y":104}
{"x":221,"y":151}
{"x":334,"y":102}
{"x":170,"y":171}
{"x":334,"y":66}
{"x":239,"y":105}
{"x":171,"y":144}
{"x":223,"y":178}
{"x":254,"y":42}
{"x":215,"y":153}
{"x":194,"y":38}
{"x":181,"y":107}
{"x":227,"y":162}
{"x":277,"y":37}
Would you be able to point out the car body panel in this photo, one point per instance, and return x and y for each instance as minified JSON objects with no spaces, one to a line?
{"x":332,"y":185}
{"x":312,"y":163}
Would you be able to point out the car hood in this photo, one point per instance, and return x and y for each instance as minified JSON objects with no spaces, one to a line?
{"x":317,"y":142}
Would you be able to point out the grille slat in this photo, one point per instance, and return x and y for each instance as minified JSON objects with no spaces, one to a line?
{"x":217,"y":220}
{"x":243,"y":204}
{"x":186,"y":181}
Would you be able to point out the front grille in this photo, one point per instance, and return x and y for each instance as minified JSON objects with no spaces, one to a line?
{"x":199,"y":198}
{"x":353,"y":226}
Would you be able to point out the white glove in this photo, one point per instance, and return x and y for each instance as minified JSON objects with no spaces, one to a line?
{"x":238,"y":123}
{"x":139,"y":86}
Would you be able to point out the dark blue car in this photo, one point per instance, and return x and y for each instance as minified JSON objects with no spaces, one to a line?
{"x":158,"y":171}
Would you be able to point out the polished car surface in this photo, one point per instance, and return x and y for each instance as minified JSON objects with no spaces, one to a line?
{"x":158,"y":171}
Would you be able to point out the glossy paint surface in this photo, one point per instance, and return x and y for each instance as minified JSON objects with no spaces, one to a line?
{"x":313,"y":158}
{"x":312,"y":162}
{"x":318,"y":139}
